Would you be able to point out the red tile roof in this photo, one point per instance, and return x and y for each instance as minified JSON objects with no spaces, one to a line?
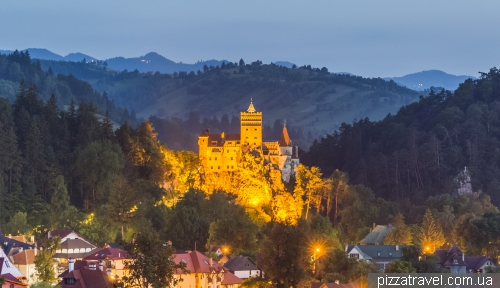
{"x":24,"y":257}
{"x":106,"y":253}
{"x":285,"y":139}
{"x":87,"y":278}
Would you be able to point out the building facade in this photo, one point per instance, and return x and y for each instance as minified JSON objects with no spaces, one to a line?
{"x":222,"y":152}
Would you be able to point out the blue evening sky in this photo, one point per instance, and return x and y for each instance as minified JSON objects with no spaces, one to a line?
{"x":366,"y":37}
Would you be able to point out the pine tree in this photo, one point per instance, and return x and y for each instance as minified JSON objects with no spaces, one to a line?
{"x":59,"y":203}
{"x":431,"y":233}
{"x":401,"y":234}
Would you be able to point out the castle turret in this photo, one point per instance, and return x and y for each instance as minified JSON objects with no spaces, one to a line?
{"x":251,"y":126}
{"x":285,"y":142}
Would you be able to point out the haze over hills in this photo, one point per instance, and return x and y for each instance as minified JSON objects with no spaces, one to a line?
{"x":431,"y":78}
{"x":152,"y":62}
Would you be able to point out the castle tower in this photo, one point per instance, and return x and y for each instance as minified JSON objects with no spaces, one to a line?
{"x":251,"y":127}
{"x":285,"y":143}
{"x":203,"y":145}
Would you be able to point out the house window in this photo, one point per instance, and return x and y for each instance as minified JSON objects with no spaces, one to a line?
{"x":455,"y":261}
{"x":70,"y":281}
{"x":378,"y":254}
{"x":11,"y":286}
{"x":354,"y":255}
{"x":390,"y":253}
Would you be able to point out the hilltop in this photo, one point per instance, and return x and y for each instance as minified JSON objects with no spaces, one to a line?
{"x":311,"y":99}
{"x":431,"y":78}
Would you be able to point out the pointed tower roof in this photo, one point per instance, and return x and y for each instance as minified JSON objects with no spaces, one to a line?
{"x":285,"y":139}
{"x":251,"y":108}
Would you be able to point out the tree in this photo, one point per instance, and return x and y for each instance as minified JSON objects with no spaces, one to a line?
{"x":18,"y":224}
{"x":121,"y":200}
{"x":400,"y":266}
{"x":401,"y":234}
{"x":60,"y":206}
{"x":242,"y":63}
{"x":308,"y":183}
{"x":44,"y":261}
{"x":285,"y":254}
{"x":431,"y":234}
{"x":152,"y":262}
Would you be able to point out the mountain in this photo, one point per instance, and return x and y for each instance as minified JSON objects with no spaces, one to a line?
{"x":77,"y":57}
{"x":153,"y":62}
{"x":285,"y":63}
{"x":431,"y":78}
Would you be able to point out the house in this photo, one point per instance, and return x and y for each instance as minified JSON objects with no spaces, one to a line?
{"x":456,"y":261}
{"x":377,"y":235}
{"x":81,"y":274}
{"x":333,"y":285}
{"x":72,"y":246}
{"x":13,"y":277}
{"x":12,"y":242}
{"x":380,"y":255}
{"x":204,"y":272}
{"x":243,"y":267}
{"x":113,"y":258}
{"x":24,"y":260}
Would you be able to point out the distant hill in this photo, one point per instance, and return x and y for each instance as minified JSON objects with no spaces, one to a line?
{"x":426,"y":79}
{"x":44,"y":54}
{"x":153,"y":62}
{"x":285,"y":63}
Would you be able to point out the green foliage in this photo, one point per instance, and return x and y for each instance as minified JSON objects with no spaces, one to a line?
{"x":44,"y":261}
{"x":151,"y":263}
{"x":60,"y":207}
{"x":337,"y":266}
{"x":431,"y":234}
{"x":284,"y":254}
{"x":400,"y":266}
{"x":18,"y":224}
{"x":43,"y":285}
{"x":401,"y":234}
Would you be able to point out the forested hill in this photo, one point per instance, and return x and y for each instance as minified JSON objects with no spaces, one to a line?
{"x":18,"y":67}
{"x":420,"y":151}
{"x":310,"y":99}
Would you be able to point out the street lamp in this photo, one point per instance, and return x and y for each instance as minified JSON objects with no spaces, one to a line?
{"x":315,"y":258}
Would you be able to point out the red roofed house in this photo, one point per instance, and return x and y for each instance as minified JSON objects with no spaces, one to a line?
{"x":113,"y":258}
{"x":85,"y":275}
{"x":72,"y":246}
{"x":24,"y":260}
{"x":204,"y":272}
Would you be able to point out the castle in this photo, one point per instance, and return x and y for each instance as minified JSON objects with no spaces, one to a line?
{"x":222,"y":152}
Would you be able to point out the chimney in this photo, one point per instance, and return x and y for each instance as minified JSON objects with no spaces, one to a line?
{"x":10,"y":236}
{"x":346,"y":247}
{"x":374,"y":224}
{"x":101,"y":265}
{"x":397,"y":247}
{"x":211,"y":261}
{"x":32,"y":238}
{"x":71,"y":264}
{"x":92,"y":266}
{"x":337,"y":282}
{"x":36,"y":250}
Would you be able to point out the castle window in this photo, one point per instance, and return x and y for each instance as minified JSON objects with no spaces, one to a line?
{"x":247,"y":129}
{"x":228,"y":167}
{"x":215,"y":158}
{"x":218,"y":167}
{"x":212,"y":167}
{"x":254,"y":137}
{"x":255,"y":129}
{"x":209,"y":158}
{"x":232,"y":167}
{"x":227,"y":151}
{"x":214,"y":142}
{"x":231,"y":158}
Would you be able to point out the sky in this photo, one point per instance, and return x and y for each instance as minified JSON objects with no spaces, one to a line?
{"x":384,"y":38}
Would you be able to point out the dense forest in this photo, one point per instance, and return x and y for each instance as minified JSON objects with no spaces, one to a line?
{"x":67,"y":167}
{"x":310,"y":99}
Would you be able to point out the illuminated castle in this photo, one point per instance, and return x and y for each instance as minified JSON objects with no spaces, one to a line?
{"x":222,"y":152}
